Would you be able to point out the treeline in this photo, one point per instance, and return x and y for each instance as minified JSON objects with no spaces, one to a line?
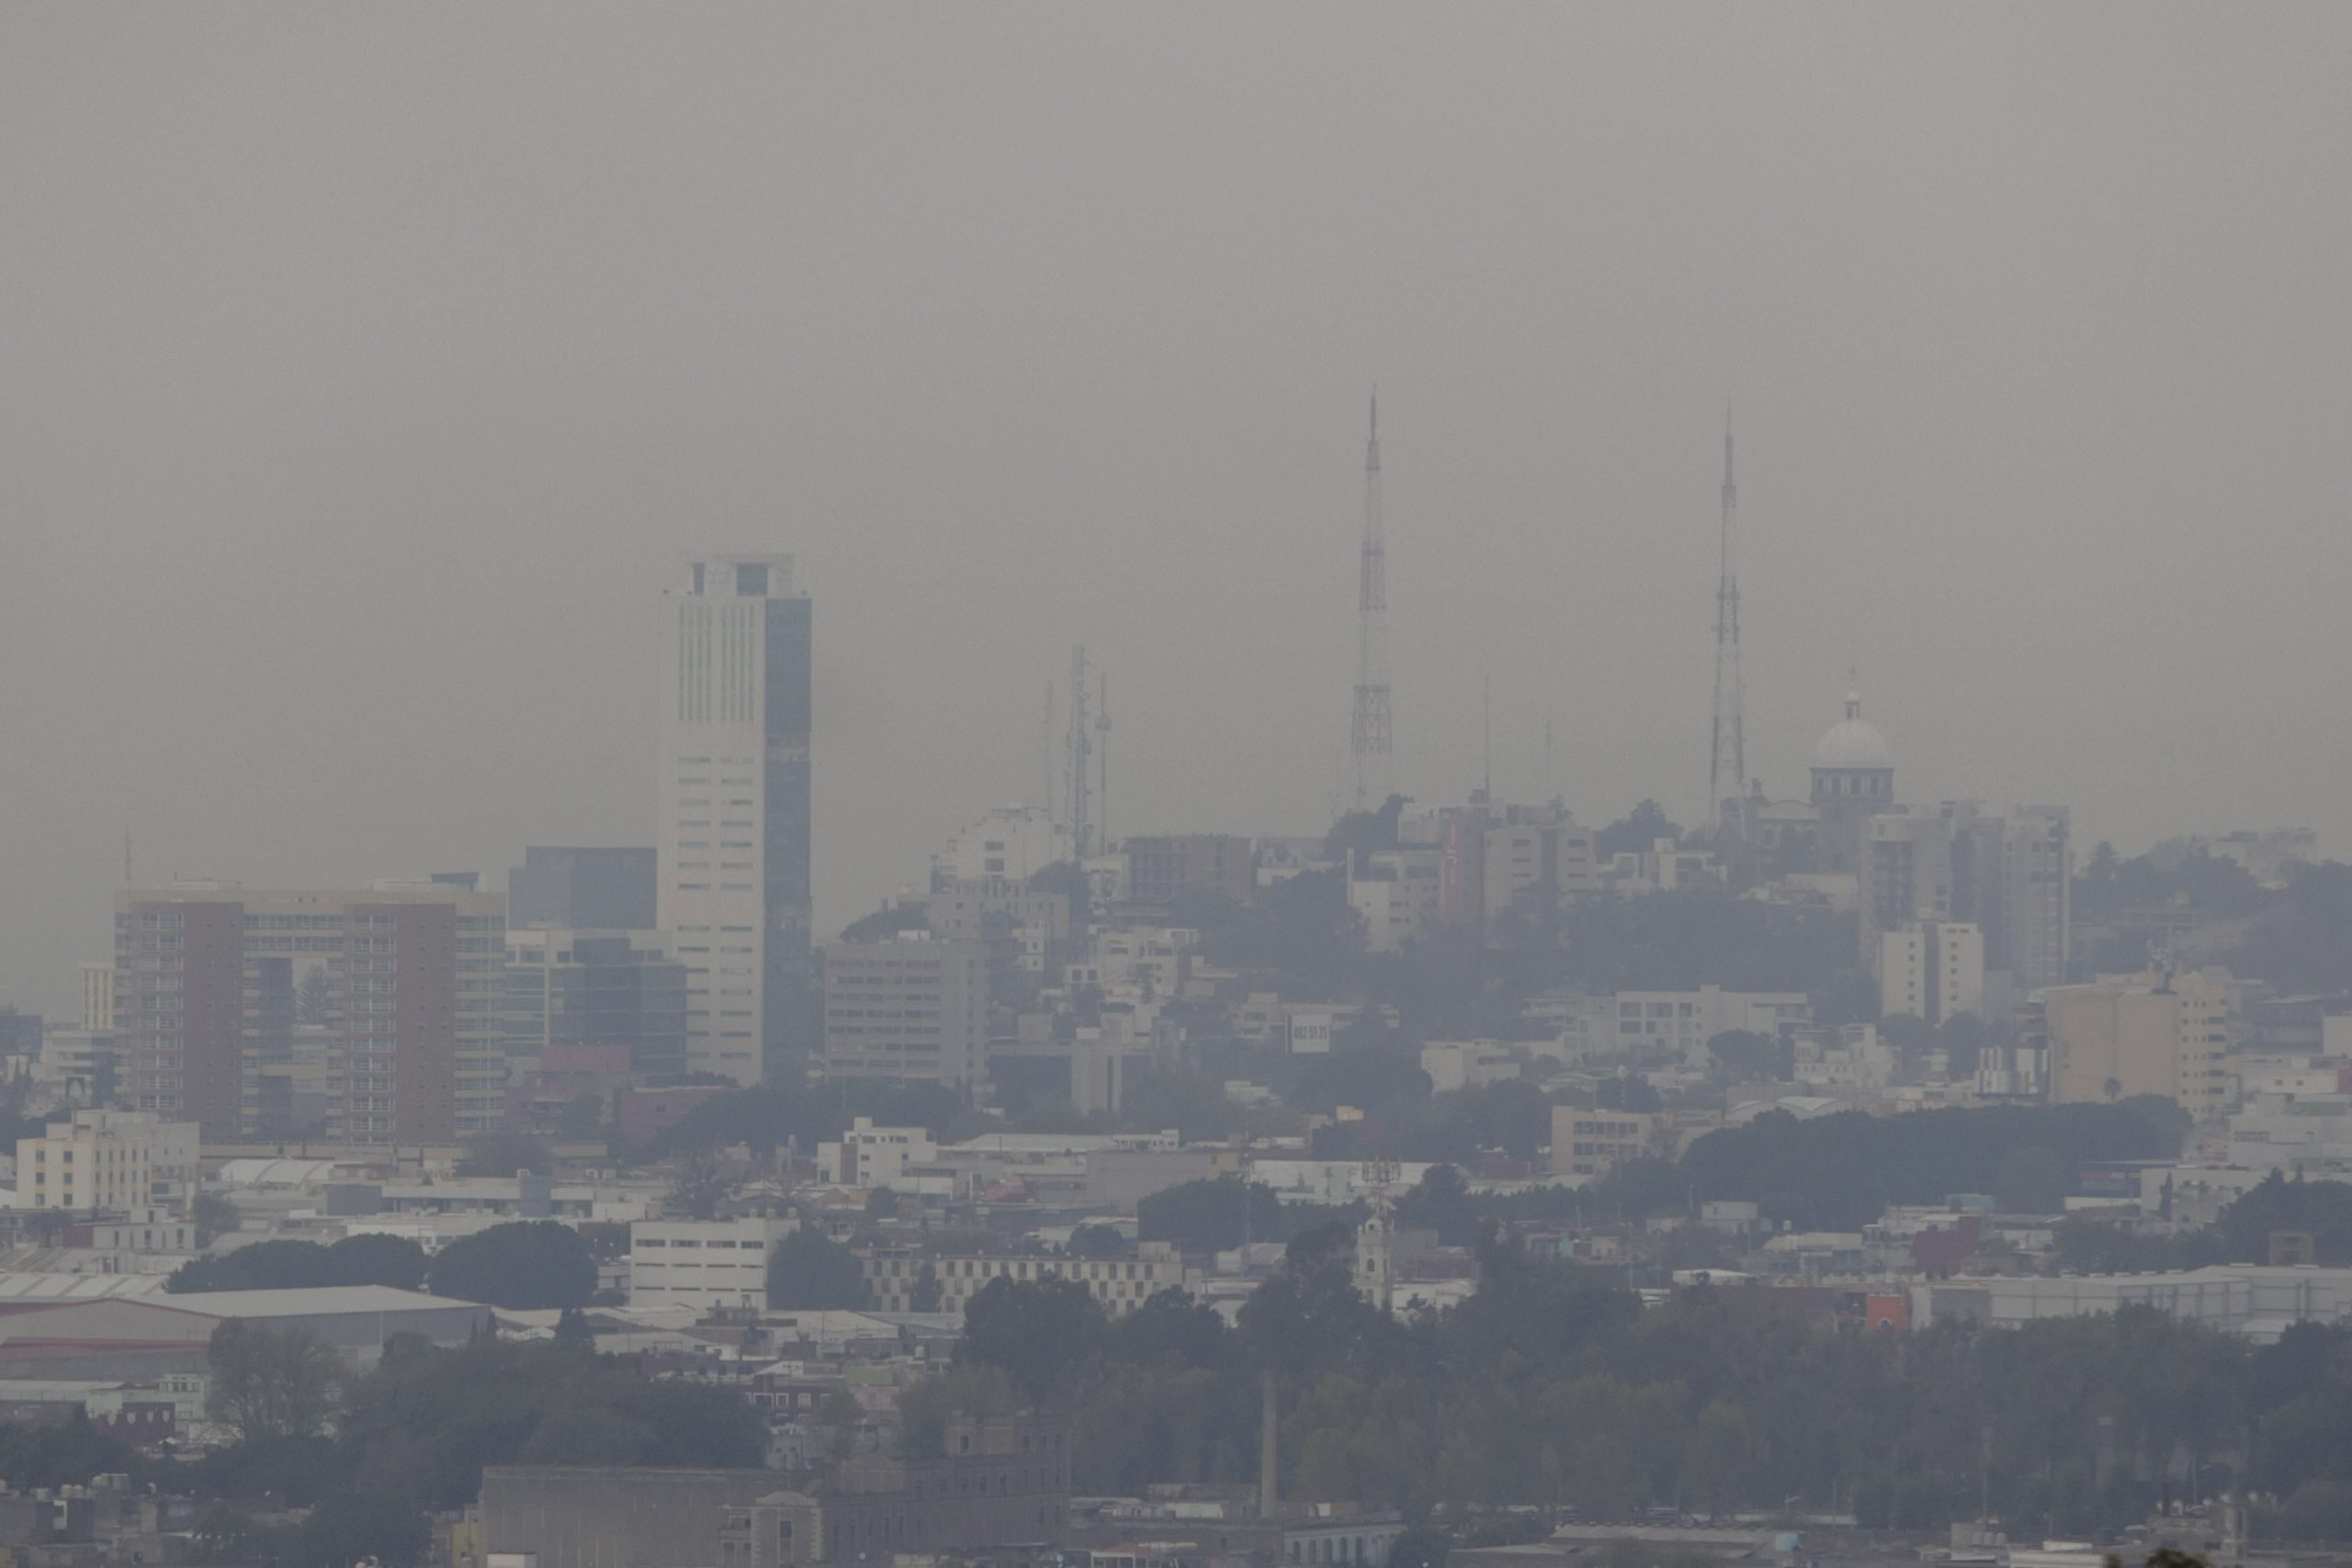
{"x":1838,"y":1172}
{"x":523,"y":1266}
{"x":371,"y":1456}
{"x":1552,"y":1387}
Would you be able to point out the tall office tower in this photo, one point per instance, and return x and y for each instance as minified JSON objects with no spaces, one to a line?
{"x":734,"y":836}
{"x":1727,"y":751}
{"x":206,"y":981}
{"x":1372,"y":741}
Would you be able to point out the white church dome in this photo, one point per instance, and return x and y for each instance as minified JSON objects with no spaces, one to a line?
{"x":1853,"y":741}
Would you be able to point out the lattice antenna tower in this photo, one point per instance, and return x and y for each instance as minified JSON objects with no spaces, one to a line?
{"x":1726,"y":752}
{"x":1103,"y":761}
{"x":1371,"y":740}
{"x":1077,"y":787}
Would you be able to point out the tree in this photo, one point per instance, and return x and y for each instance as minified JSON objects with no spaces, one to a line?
{"x":571,"y":1330}
{"x":963,"y":1389}
{"x":1636,"y":832}
{"x":1035,"y":1331}
{"x":700,"y":1183}
{"x":1097,"y":1241}
{"x":2030,"y":1181}
{"x":271,"y":1382}
{"x":882,"y":1204}
{"x":523,"y":1266}
{"x":506,"y":1154}
{"x":925,"y":1295}
{"x":362,"y":1526}
{"x":807,"y":1272}
{"x":214,"y":1216}
{"x":1214,"y":1215}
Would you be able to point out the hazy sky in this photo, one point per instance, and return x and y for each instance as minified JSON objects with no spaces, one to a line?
{"x":365,"y":367}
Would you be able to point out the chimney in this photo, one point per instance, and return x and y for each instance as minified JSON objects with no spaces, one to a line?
{"x":1267,"y":1437}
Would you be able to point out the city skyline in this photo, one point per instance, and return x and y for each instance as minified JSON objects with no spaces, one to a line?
{"x":345,"y":441}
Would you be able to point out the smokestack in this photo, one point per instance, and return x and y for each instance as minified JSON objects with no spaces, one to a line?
{"x":1267,"y":1437}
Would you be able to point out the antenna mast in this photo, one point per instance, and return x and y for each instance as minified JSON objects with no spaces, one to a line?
{"x":1078,"y":786}
{"x":1103,"y":762}
{"x":1371,"y":743}
{"x":1046,"y":752}
{"x":1726,"y":757}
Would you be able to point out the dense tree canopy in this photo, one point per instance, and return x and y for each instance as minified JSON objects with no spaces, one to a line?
{"x":808,"y":1272}
{"x":1838,"y":1172}
{"x":523,"y":1266}
{"x":363,"y":1259}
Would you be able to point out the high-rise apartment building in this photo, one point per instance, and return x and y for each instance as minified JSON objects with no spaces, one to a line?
{"x":207,"y":982}
{"x":734,"y":832}
{"x":2006,"y":871}
{"x":1932,"y":970}
{"x":911,"y":1008}
{"x":97,"y":999}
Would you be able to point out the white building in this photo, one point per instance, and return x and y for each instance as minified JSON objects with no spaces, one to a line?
{"x":1686,"y":1021}
{"x":128,"y":1162}
{"x":733,"y":841}
{"x":870,"y":1157}
{"x":1398,"y":896}
{"x":1662,"y":868}
{"x":1466,"y":1064}
{"x":1932,"y":969}
{"x":702,"y":1263}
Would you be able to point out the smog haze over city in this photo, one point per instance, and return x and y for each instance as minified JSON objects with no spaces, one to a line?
{"x":1031,"y":786}
{"x":371,"y":368}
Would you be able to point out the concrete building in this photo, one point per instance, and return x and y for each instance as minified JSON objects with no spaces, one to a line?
{"x":1664,"y":867}
{"x":97,"y":998}
{"x":1120,"y":1284}
{"x":733,"y":841}
{"x":1686,"y":1021}
{"x":573,"y":888}
{"x":911,"y":1008}
{"x":125,"y":1162}
{"x":1003,"y":1481}
{"x":1932,"y":969}
{"x":869,"y":1157}
{"x":1853,"y":780}
{"x":1399,"y":895}
{"x":2159,"y":1034}
{"x":1164,"y":867}
{"x":207,"y":977}
{"x":1014,"y":842}
{"x":2006,"y":871}
{"x":1466,"y":1064}
{"x":1591,"y":1143}
{"x":566,"y":989}
{"x":703,"y":1264}
{"x":123,"y":1336}
{"x":2256,"y":1301}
